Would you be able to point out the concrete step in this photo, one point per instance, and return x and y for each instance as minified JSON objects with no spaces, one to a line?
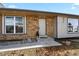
{"x":43,"y":36}
{"x":44,"y":39}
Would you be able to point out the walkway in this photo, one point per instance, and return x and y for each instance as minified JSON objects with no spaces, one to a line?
{"x":42,"y":42}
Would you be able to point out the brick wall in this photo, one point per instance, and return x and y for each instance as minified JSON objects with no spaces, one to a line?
{"x":32,"y":25}
{"x":13,"y":36}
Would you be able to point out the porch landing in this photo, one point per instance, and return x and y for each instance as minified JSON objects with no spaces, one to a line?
{"x":42,"y":42}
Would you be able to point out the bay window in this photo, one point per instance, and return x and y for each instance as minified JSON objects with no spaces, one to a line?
{"x":14,"y":24}
{"x":73,"y":25}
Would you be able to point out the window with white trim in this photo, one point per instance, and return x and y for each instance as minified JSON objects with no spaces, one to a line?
{"x":73,"y":25}
{"x":14,"y":24}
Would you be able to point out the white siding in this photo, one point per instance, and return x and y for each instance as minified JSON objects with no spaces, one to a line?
{"x":62,"y":28}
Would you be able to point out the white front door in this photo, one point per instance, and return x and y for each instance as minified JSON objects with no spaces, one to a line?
{"x":42,"y":27}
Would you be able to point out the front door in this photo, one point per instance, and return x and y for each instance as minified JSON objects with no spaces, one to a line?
{"x":42,"y":27}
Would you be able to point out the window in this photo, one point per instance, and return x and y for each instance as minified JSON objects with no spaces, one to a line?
{"x":14,"y":24}
{"x":73,"y":25}
{"x":9,"y":25}
{"x":19,"y":25}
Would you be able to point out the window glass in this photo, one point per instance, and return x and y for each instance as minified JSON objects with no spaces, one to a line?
{"x":19,"y":21}
{"x":19,"y":29}
{"x":19,"y":25}
{"x":72,"y":25}
{"x":14,"y":24}
{"x":9,"y":24}
{"x":9,"y":29}
{"x":9,"y":21}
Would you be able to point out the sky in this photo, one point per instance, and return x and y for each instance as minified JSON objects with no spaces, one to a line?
{"x":70,"y":8}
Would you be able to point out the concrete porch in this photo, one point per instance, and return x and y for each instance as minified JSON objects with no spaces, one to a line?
{"x":42,"y":42}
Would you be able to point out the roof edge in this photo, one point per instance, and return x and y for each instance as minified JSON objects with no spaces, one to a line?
{"x":18,"y":9}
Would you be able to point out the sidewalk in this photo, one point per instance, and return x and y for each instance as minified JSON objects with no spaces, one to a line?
{"x":42,"y":42}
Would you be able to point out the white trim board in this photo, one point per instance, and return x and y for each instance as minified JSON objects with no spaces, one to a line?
{"x":3,"y":24}
{"x":25,"y":24}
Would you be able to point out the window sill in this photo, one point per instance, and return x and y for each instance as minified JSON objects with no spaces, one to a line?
{"x":15,"y":33}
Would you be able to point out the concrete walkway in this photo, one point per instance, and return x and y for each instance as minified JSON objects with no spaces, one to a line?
{"x":42,"y":42}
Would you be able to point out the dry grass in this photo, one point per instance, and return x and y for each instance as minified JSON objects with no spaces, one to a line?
{"x":57,"y":51}
{"x":24,"y":52}
{"x":48,"y":51}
